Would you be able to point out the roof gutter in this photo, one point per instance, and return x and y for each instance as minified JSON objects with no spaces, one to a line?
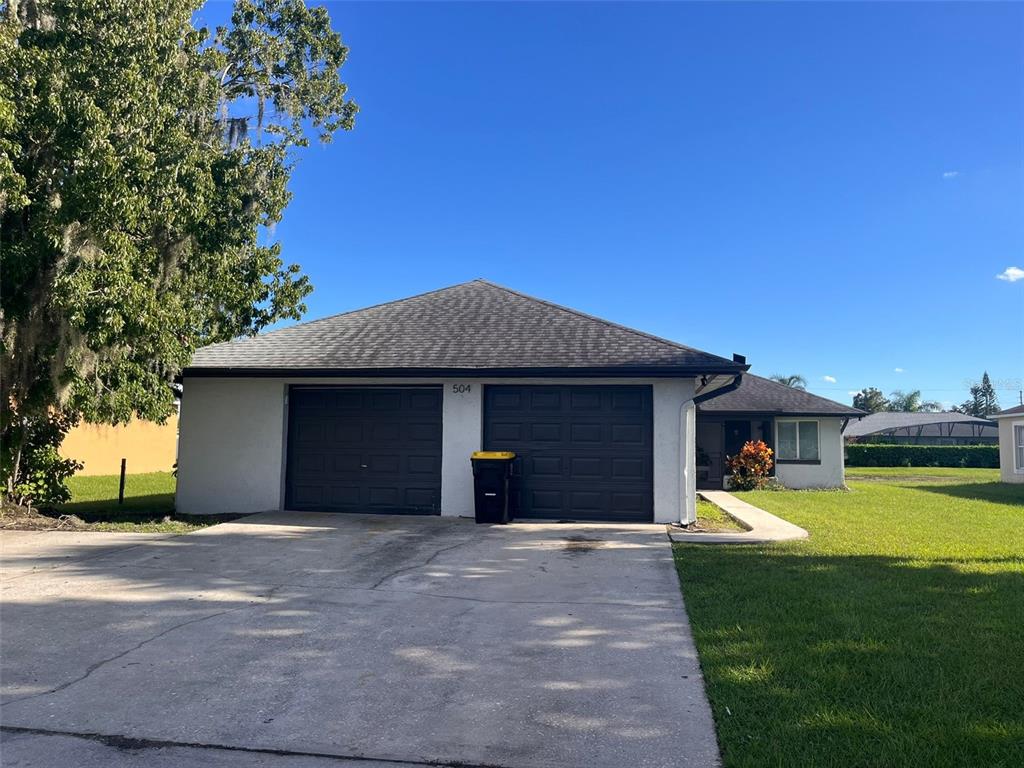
{"x":714,"y":414}
{"x":479,"y":373}
{"x":731,"y":386}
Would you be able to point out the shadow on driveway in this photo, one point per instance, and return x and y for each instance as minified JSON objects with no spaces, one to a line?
{"x":426,"y":640}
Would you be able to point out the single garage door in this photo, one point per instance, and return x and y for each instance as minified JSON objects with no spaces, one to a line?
{"x":364,"y":450}
{"x":586,"y":451}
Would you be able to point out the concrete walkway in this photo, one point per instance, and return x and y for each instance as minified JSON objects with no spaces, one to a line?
{"x":762,"y":526}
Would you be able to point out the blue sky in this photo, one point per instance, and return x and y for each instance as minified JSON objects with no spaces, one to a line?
{"x":829,"y":189}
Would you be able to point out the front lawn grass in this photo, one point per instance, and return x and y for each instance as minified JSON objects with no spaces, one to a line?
{"x":712,"y":518}
{"x":892,"y":637}
{"x":150,"y":492}
{"x":923,"y":474}
{"x":148,"y":505}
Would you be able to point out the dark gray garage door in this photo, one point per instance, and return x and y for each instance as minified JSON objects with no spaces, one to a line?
{"x":586,"y":452}
{"x":364,"y":450}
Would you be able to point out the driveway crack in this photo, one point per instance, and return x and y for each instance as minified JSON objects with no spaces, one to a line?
{"x":107,"y":551}
{"x":135,"y":743}
{"x":425,"y":563}
{"x":104,"y":662}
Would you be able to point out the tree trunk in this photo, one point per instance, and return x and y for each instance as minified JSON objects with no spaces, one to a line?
{"x":15,"y":444}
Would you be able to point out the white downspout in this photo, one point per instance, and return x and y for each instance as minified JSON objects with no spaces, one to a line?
{"x":687,"y":450}
{"x":688,"y":477}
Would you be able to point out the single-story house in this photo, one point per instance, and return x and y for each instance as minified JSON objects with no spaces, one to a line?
{"x":941,"y":428}
{"x":804,"y":430}
{"x":1011,"y":444}
{"x":380,"y":409}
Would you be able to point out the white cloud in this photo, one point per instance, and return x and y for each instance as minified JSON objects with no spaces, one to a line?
{"x":950,"y":174}
{"x":829,"y":379}
{"x":853,"y":392}
{"x":1011,"y":274}
{"x":897,"y":370}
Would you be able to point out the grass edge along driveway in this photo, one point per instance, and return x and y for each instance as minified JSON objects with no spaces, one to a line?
{"x":148,"y":507}
{"x":892,"y":637}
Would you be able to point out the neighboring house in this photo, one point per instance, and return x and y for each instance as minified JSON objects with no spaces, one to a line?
{"x":1011,"y":444}
{"x":804,"y":431}
{"x":922,"y":429}
{"x":378,"y":410}
{"x":145,"y":446}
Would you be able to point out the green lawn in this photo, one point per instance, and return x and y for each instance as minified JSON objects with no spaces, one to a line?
{"x":924,"y":474}
{"x":712,"y":518}
{"x":893,"y":637}
{"x":148,"y":504}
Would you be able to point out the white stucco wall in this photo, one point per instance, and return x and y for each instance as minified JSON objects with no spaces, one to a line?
{"x":231,"y":441}
{"x":1007,"y":472}
{"x":230,"y":446}
{"x":830,"y":473}
{"x":462,"y":432}
{"x":673,"y":502}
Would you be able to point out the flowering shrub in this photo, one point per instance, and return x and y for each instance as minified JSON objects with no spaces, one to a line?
{"x":751,"y":467}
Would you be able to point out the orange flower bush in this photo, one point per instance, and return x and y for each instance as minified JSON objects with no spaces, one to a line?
{"x":751,"y":467}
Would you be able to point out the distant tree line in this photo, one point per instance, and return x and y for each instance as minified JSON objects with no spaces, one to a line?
{"x":982,"y":402}
{"x":872,"y":400}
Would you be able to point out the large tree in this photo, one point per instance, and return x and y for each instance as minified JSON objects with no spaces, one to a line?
{"x":142,"y":161}
{"x":987,"y":396}
{"x":871,"y":399}
{"x":982,"y":402}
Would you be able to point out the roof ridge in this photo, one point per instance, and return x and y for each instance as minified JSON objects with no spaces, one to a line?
{"x":601,"y":320}
{"x":307,"y":323}
{"x":961,"y":416}
{"x":803,"y":391}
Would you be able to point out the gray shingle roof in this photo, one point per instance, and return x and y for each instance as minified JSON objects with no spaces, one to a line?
{"x":884,"y":420}
{"x":474,"y":326}
{"x":759,"y":395}
{"x":1017,"y":410}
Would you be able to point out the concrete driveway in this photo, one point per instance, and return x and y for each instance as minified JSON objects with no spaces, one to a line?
{"x":335,"y":640}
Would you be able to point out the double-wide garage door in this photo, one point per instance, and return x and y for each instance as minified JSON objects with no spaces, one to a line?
{"x":364,"y":450}
{"x":585,"y":452}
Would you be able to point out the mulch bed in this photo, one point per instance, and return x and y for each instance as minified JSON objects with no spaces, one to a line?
{"x":15,"y":518}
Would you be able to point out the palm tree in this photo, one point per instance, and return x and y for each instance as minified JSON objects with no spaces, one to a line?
{"x":911,"y":402}
{"x":796,"y":381}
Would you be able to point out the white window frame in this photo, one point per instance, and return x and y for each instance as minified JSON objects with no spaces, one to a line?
{"x":798,"y":422}
{"x":1018,"y":469}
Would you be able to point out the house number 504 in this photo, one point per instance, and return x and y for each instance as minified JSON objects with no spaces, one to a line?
{"x":460,"y":389}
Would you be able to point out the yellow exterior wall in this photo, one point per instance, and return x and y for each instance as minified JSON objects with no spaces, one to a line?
{"x":148,"y":447}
